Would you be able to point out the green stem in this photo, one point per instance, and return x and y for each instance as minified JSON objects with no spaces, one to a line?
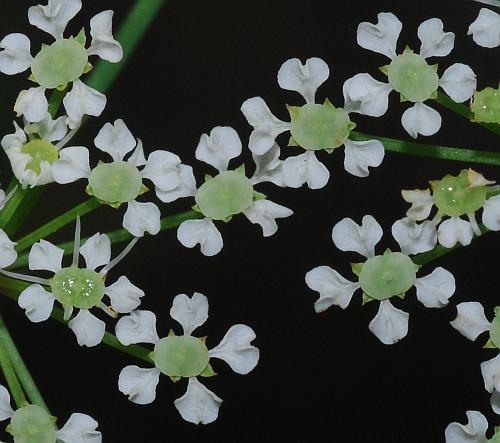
{"x":464,"y":111}
{"x":12,"y":288}
{"x":119,"y":235}
{"x":441,"y":152}
{"x":22,"y":371}
{"x":10,"y":375}
{"x":57,"y":223}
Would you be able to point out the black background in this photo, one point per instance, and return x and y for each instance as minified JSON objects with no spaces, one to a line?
{"x":321,"y":377}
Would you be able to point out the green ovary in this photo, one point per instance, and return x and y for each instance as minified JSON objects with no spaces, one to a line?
{"x":225,"y":195}
{"x":453,"y":196}
{"x":60,"y":63}
{"x":39,"y":150}
{"x":485,"y":105}
{"x":387,"y":275}
{"x":31,"y":424}
{"x":182,"y":356}
{"x":315,"y":126}
{"x":412,"y":77}
{"x":81,"y":288}
{"x":117,"y":182}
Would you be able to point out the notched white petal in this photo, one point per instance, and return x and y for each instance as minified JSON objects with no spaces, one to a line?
{"x":414,"y":238}
{"x":491,"y":374}
{"x":103,"y":44}
{"x":219,"y":148}
{"x":390,"y":324}
{"x":32,"y":104}
{"x":435,"y":42}
{"x":268,"y":167}
{"x":88,"y":329}
{"x":124,"y":295}
{"x":80,"y":428}
{"x":332,"y":287}
{"x":96,"y":251}
{"x":434,"y":290}
{"x":45,"y":256}
{"x":82,"y":100}
{"x":37,"y":303}
{"x":304,"y":168}
{"x":470,"y":320}
{"x":421,"y":119}
{"x":485,"y":29}
{"x":491,"y":213}
{"x":115,"y":139}
{"x":138,"y":327}
{"x":383,"y":36}
{"x":459,"y":82}
{"x":190,"y":313}
{"x":141,"y":217}
{"x":8,"y":254}
{"x":73,"y":164}
{"x":200,"y":232}
{"x":421,"y":203}
{"x":347,"y":235}
{"x":186,"y":187}
{"x":360,"y":155}
{"x":54,"y":17}
{"x":16,"y":56}
{"x":139,"y":384}
{"x":265,"y":212}
{"x":365,"y":95}
{"x":453,"y":231}
{"x":198,"y":404}
{"x":473,"y":432}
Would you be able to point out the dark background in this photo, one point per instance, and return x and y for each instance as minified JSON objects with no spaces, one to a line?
{"x":321,"y":377}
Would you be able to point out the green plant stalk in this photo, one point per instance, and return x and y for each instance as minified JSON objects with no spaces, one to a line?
{"x":12,"y":288}
{"x":22,"y":372}
{"x":441,"y":152}
{"x":10,"y":375}
{"x":119,"y":235}
{"x":464,"y":111}
{"x":57,"y":223}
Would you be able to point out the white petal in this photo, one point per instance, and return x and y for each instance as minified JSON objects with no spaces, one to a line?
{"x":49,"y":129}
{"x":162,"y":168}
{"x":473,"y":432}
{"x":365,"y":95}
{"x":96,"y":251}
{"x":73,"y":164}
{"x":14,"y":141}
{"x":115,"y":139}
{"x":491,"y":213}
{"x":434,"y":290}
{"x":27,"y":177}
{"x":190,"y":313}
{"x":83,"y":100}
{"x":265,"y":213}
{"x":186,"y":188}
{"x":139,"y":384}
{"x":6,"y":410}
{"x":421,"y":203}
{"x":349,"y":236}
{"x":304,"y":79}
{"x":8,"y":254}
{"x":470,"y":321}
{"x":80,"y":428}
{"x":491,"y":374}
{"x":202,"y":232}
{"x":44,"y":256}
{"x":383,"y":36}
{"x":16,"y":56}
{"x":198,"y":404}
{"x":32,"y":104}
{"x":485,"y":29}
{"x":124,"y":296}
{"x":390,"y":324}
{"x":435,"y":42}
{"x":414,"y":238}
{"x":266,"y":126}
{"x":137,"y":157}
{"x":222,"y":145}
{"x":103,"y":44}
{"x":305,"y":168}
{"x":138,"y":327}
{"x":89,"y":330}
{"x":332,"y":287}
{"x":459,"y":82}
{"x":37,"y":303}
{"x":54,"y":17}
{"x":495,"y":402}
{"x":268,"y":167}
{"x":142,"y":217}
{"x":455,"y":230}
{"x":421,"y":119}
{"x":235,"y":349}
{"x":360,"y":155}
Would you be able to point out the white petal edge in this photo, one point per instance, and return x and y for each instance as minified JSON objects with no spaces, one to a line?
{"x":305,"y":168}
{"x":37,"y":303}
{"x":360,"y":155}
{"x":203,"y":232}
{"x":265,"y":212}
{"x":455,"y":230}
{"x":73,"y":164}
{"x":140,"y":218}
{"x":45,"y":256}
{"x":459,"y":82}
{"x":138,"y":327}
{"x":491,"y":213}
{"x":414,"y":238}
{"x":485,"y":29}
{"x":390,"y":324}
{"x":470,"y":320}
{"x":190,"y":313}
{"x":365,"y":95}
{"x":218,"y":148}
{"x":124,"y":295}
{"x":88,"y":329}
{"x":32,"y":104}
{"x":381,"y":37}
{"x":103,"y":44}
{"x":82,"y":100}
{"x":15,"y":57}
{"x":490,"y":370}
{"x":421,"y":119}
{"x":434,"y":290}
{"x":96,"y":251}
{"x":347,"y":235}
{"x":139,"y":384}
{"x":198,"y":404}
{"x":435,"y":42}
{"x":80,"y":428}
{"x":473,"y":432}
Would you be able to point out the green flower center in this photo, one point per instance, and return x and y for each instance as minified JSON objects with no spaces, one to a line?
{"x":412,"y":77}
{"x":315,"y":126}
{"x":485,"y":105}
{"x":81,"y":288}
{"x":181,"y":356}
{"x":31,"y":424}
{"x":453,"y":196}
{"x":40,"y":150}
{"x":227,"y":194}
{"x":60,"y":63}
{"x":495,"y":330}
{"x":387,"y":275}
{"x":117,"y":182}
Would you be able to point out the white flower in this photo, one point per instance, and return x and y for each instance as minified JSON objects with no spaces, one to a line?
{"x":53,"y":19}
{"x":485,"y":29}
{"x":77,"y":287}
{"x":198,"y":404}
{"x":365,"y":95}
{"x":381,"y":277}
{"x":230,"y":192}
